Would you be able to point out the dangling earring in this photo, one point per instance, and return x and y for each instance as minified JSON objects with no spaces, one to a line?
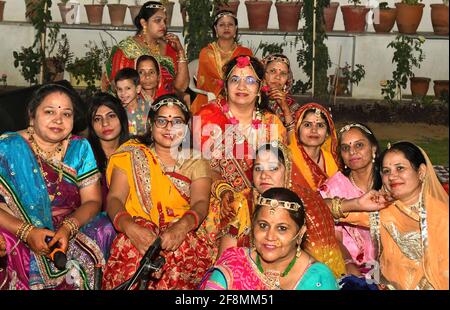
{"x":299,"y":251}
{"x":252,"y":244}
{"x":144,"y":31}
{"x":259,"y":102}
{"x":345,"y":167}
{"x":373,"y":157}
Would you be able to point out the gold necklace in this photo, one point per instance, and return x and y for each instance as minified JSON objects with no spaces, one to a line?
{"x":154,"y":48}
{"x":352,"y":180}
{"x":39,"y":151}
{"x":233,"y":47}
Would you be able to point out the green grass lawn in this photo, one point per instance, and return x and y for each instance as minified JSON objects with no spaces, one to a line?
{"x":437,"y":149}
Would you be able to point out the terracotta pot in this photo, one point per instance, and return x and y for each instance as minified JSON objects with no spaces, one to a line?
{"x":342,"y":86}
{"x":419,"y":86}
{"x":440,"y":88}
{"x":408,"y":17}
{"x":94,"y":13}
{"x":232,"y":6}
{"x":169,"y":11}
{"x":30,"y":8}
{"x":288,"y":15}
{"x":354,"y":17}
{"x":183,"y":14}
{"x":2,"y":8}
{"x":68,"y":12}
{"x":134,"y":11}
{"x":439,"y":18}
{"x":117,"y":13}
{"x":329,"y":16}
{"x":258,"y":14}
{"x":384,"y":19}
{"x":54,"y":69}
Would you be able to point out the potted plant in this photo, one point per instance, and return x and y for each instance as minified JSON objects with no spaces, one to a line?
{"x":409,"y":15}
{"x":117,"y":13}
{"x":288,"y":14}
{"x":440,"y":88}
{"x":2,"y":8}
{"x":68,"y":10}
{"x":354,"y":16}
{"x":329,"y":15}
{"x":87,"y":70}
{"x":94,"y":11}
{"x":258,"y":12}
{"x":439,"y":17}
{"x":384,"y":18}
{"x":229,"y":5}
{"x":419,"y":86}
{"x":347,"y":77}
{"x":134,"y":9}
{"x":408,"y":54}
{"x":52,"y":60}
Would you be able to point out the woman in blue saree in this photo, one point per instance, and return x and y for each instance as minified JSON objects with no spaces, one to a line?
{"x":49,"y":189}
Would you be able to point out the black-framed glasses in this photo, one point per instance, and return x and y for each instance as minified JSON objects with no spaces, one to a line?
{"x":162,"y":122}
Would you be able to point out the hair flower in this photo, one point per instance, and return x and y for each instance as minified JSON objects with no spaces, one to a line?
{"x":243,"y":61}
{"x":220,"y":83}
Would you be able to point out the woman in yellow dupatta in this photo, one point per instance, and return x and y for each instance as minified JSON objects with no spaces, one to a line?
{"x":215,"y":55}
{"x":273,"y":168}
{"x":314,"y":144}
{"x":158,"y":189}
{"x":411,"y":233}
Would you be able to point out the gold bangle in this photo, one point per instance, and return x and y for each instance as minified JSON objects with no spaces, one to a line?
{"x":222,"y":187}
{"x":336,"y":208}
{"x":73,"y":226}
{"x":23,"y":231}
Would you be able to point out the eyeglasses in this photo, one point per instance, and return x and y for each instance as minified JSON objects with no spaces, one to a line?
{"x":236,"y":80}
{"x":162,"y":122}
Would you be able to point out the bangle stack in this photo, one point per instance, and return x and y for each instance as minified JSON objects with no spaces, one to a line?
{"x":23,"y":231}
{"x":290,"y":126}
{"x":336,"y":208}
{"x":117,"y":217}
{"x":73,"y":226}
{"x":181,"y":58}
{"x":194,"y":215}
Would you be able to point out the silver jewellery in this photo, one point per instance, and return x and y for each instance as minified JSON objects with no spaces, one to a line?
{"x":170,"y":102}
{"x":275,"y":203}
{"x":271,"y":58}
{"x":222,"y":15}
{"x":348,"y":127}
{"x":155,"y":6}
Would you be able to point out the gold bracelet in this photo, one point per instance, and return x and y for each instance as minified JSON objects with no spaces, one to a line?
{"x":221,"y":188}
{"x":336,"y":208}
{"x":23,"y":231}
{"x":73,"y":226}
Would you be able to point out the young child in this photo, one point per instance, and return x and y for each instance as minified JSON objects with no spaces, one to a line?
{"x":128,"y":89}
{"x":148,"y":68}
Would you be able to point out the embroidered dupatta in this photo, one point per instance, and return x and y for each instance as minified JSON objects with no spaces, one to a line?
{"x":217,"y":139}
{"x":125,"y":55}
{"x":309,"y":169}
{"x":25,"y":192}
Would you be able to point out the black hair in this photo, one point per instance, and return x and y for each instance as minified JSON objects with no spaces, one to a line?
{"x":145,"y":58}
{"x":284,"y":194}
{"x":259,"y":70}
{"x":376,"y":177}
{"x":322,"y":114}
{"x":274,"y":150}
{"x":127,"y":74}
{"x":145,"y":13}
{"x":147,"y":137}
{"x":411,"y":152}
{"x":115,"y":105}
{"x":217,"y":21}
{"x":42,"y":92}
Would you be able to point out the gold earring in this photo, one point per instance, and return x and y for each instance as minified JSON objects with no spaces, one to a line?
{"x":373,"y":157}
{"x":299,"y":251}
{"x":144,"y":31}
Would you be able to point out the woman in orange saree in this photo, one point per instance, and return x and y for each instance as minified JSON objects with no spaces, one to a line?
{"x":314,"y":145}
{"x":215,"y":55}
{"x":411,"y":233}
{"x":156,"y":188}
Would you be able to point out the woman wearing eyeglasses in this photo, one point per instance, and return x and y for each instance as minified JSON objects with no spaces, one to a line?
{"x":159,"y":188}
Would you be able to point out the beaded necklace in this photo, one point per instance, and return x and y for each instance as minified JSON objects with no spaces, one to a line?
{"x":284,"y":273}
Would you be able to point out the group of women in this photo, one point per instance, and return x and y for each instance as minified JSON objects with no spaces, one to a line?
{"x":260,"y":193}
